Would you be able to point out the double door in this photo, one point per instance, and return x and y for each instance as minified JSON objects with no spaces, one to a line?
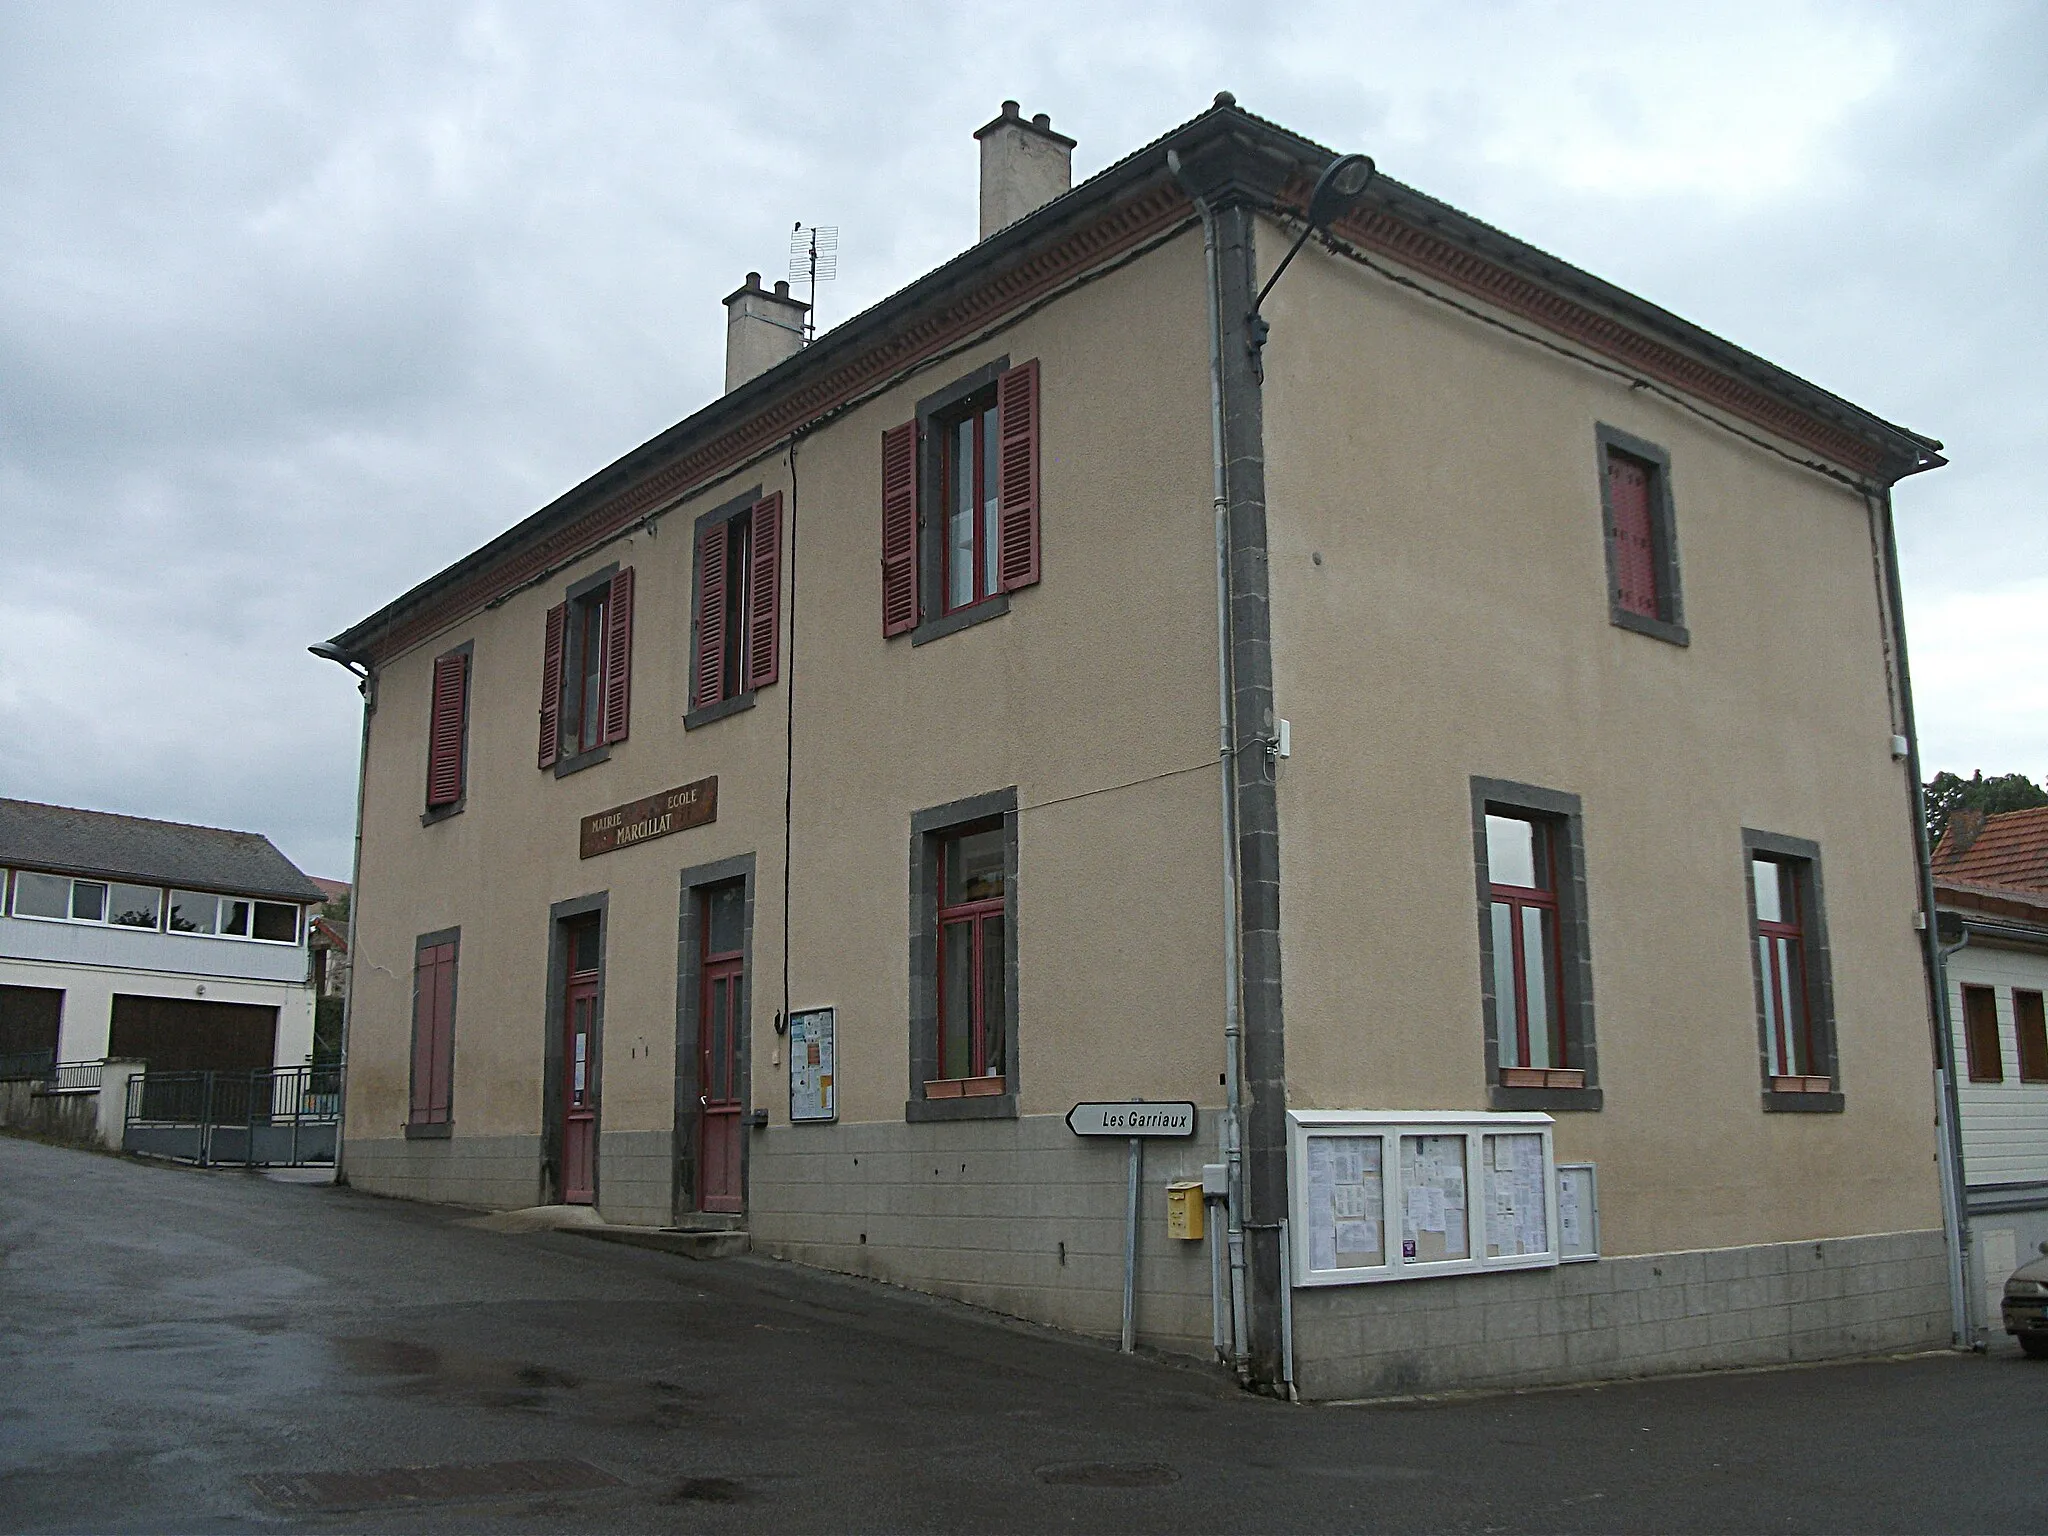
{"x":579,"y":1090}
{"x":720,"y":1110}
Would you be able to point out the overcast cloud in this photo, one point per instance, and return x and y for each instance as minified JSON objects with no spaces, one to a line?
{"x":300,"y":302}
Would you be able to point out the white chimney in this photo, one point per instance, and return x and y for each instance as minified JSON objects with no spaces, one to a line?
{"x":1024,"y":166}
{"x":761,"y":329}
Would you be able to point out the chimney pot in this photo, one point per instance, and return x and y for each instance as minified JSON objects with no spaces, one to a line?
{"x":761,"y":329}
{"x":1024,"y":166}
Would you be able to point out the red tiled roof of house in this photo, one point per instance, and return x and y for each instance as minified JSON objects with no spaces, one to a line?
{"x":2010,"y":850}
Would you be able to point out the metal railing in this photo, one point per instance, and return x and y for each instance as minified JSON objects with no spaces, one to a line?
{"x":74,"y":1077}
{"x":284,"y":1116}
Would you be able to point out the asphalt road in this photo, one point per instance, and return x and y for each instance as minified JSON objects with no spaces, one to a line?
{"x":207,"y":1351}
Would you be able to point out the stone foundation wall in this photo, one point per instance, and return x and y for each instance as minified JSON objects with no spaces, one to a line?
{"x":72,"y":1117}
{"x":1765,"y":1305}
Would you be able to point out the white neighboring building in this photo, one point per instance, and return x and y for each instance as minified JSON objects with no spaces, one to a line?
{"x":182,"y":946}
{"x":1991,"y":888}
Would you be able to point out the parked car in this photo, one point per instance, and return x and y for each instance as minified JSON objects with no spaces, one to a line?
{"x":2026,"y":1306}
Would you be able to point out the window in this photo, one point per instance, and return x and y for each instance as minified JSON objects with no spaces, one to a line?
{"x":234,"y":917}
{"x":1536,"y":968}
{"x":2029,"y":1026}
{"x":60,"y":898}
{"x":1794,"y":996}
{"x":1642,"y":546}
{"x":737,"y":606}
{"x":586,"y":671}
{"x":1981,"y":1048}
{"x":448,"y":734}
{"x":433,"y":1033}
{"x":963,"y":956}
{"x":960,"y":503}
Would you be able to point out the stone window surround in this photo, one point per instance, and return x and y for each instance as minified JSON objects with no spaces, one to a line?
{"x":1804,"y":857}
{"x":560,"y":915}
{"x":696,"y":715}
{"x":1564,"y":815}
{"x":933,"y":620}
{"x":689,"y":972}
{"x":435,"y":813}
{"x":1663,"y":530}
{"x":927,"y":829}
{"x":567,"y":764}
{"x":437,"y":1130}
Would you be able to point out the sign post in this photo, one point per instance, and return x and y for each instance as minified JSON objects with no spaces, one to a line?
{"x":1136,"y":1121}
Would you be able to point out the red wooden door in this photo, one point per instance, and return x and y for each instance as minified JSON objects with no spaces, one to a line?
{"x":579,"y":1090}
{"x":718,"y":1084}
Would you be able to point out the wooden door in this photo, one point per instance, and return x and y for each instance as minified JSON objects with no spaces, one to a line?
{"x":720,"y":1110}
{"x":579,"y":1090}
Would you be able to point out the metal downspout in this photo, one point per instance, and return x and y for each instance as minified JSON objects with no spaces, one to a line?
{"x":1226,"y":737}
{"x":1948,"y":1134}
{"x":368,"y":689}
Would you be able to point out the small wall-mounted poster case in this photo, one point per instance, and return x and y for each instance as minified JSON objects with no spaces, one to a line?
{"x":812,"y":1094}
{"x":1578,"y":1213}
{"x":1381,"y":1195}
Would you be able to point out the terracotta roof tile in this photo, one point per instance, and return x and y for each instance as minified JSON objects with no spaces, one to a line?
{"x":2011,"y":851}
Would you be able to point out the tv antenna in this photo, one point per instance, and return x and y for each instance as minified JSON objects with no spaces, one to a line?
{"x":813,"y":259}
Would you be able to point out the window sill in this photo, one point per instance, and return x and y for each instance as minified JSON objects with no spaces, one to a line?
{"x":1656,"y":629}
{"x":995,"y":1106}
{"x":961,"y":618}
{"x":1503,"y":1097}
{"x":965,"y":1087}
{"x":1542,"y":1077}
{"x":710,"y":712}
{"x":582,"y":760}
{"x":434,"y":1130}
{"x":1778,"y":1101}
{"x":1802,"y":1085}
{"x":435,"y":813}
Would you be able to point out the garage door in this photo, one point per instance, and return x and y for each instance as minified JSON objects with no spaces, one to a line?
{"x":28,"y":1029}
{"x":177,"y":1034}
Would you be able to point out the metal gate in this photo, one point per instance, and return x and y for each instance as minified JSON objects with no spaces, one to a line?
{"x":285,"y":1117}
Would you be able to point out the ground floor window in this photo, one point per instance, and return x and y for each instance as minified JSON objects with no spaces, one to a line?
{"x":964,"y":959}
{"x":1788,"y":948}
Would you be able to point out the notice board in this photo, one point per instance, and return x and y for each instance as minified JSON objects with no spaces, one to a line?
{"x":1378,"y":1195}
{"x":813,"y":1091}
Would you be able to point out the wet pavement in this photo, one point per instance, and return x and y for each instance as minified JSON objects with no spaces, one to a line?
{"x":212,"y":1351}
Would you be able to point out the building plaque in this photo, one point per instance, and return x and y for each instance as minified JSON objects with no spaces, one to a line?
{"x":640,"y":821}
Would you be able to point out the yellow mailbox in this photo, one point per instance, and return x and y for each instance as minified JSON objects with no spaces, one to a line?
{"x":1184,"y":1209}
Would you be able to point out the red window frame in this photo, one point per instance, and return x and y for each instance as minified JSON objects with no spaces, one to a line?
{"x":986,"y":580}
{"x":433,"y":1034}
{"x":1542,"y":898}
{"x":1983,"y":1051}
{"x":2031,"y":1030}
{"x":1782,"y":961}
{"x":976,"y":916}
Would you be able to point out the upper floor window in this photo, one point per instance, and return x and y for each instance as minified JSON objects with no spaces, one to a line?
{"x":586,"y":671}
{"x":1982,"y":1050}
{"x":448,"y":734}
{"x":123,"y":904}
{"x":1642,"y":540}
{"x":737,"y":605}
{"x":960,"y":503}
{"x":64,"y":899}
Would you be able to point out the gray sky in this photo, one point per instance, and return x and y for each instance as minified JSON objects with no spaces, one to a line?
{"x":300,"y":302}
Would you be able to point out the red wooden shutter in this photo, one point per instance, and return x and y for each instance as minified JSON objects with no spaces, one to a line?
{"x":444,"y":731}
{"x":618,"y":656}
{"x":1635,"y":559}
{"x":551,"y":686}
{"x":1017,"y":491}
{"x":899,"y":529}
{"x":711,"y":616}
{"x":433,"y":1034}
{"x":764,"y":592}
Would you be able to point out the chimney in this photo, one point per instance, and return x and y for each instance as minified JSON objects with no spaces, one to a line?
{"x":761,"y":329}
{"x":1024,"y":166}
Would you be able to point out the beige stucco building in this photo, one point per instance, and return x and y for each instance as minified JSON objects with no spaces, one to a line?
{"x":1565,"y":793}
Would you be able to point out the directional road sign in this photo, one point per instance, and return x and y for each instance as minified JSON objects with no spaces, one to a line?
{"x":1132,"y":1119}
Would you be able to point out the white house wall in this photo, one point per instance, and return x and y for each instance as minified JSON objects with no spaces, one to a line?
{"x":89,"y":1000}
{"x":178,"y":954}
{"x":2005,"y":1125}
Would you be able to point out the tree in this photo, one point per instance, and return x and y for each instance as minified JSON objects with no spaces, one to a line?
{"x":1947,"y":794}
